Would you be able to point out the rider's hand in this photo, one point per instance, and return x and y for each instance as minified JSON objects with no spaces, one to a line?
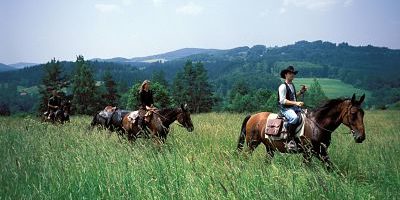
{"x":299,"y":103}
{"x":152,"y":108}
{"x":303,"y":88}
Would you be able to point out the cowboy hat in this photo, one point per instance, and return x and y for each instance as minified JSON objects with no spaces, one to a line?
{"x":288,"y":69}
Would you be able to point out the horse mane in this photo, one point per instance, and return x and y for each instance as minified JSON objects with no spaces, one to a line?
{"x":166,"y":112}
{"x":326,"y":106}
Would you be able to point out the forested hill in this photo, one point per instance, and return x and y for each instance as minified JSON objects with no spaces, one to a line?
{"x":367,"y":67}
{"x":4,"y":67}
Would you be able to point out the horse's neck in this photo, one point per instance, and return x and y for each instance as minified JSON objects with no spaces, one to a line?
{"x":332,"y":118}
{"x":169,"y":117}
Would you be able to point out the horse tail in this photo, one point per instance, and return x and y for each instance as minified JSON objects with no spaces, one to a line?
{"x":94,"y":120}
{"x":242,"y":135}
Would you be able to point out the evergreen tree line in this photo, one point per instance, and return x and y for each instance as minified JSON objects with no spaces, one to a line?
{"x":190,"y":85}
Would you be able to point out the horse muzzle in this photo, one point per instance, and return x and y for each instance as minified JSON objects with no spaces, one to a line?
{"x":190,"y":129}
{"x":358,"y":137}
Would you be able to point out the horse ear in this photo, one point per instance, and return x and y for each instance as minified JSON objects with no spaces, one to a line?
{"x":361,"y":99}
{"x":353,"y":99}
{"x":185,"y":106}
{"x":182,"y":107}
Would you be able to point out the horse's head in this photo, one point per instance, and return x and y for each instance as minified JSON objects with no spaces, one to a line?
{"x":184,"y":118}
{"x":110,"y":108}
{"x":353,"y":118}
{"x":66,"y":105}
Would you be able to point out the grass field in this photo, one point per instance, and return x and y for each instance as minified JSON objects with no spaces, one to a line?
{"x":333,"y":88}
{"x":44,"y":161}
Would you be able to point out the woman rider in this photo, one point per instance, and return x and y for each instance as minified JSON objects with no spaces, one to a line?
{"x":146,"y":103}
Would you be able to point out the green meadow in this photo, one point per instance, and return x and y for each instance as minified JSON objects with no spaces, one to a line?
{"x":333,"y":88}
{"x":44,"y":161}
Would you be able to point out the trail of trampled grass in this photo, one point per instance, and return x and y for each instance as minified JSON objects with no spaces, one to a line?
{"x":43,"y":161}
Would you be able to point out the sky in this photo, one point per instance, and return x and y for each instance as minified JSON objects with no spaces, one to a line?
{"x":39,"y":30}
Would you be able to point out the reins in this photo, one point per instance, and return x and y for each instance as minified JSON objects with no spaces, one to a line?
{"x":166,"y":119}
{"x":330,"y":131}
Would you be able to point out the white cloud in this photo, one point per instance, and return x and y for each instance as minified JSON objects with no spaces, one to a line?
{"x":107,"y":8}
{"x":348,"y":3}
{"x":190,"y":9}
{"x":264,"y":13}
{"x":282,"y":10}
{"x":158,"y":2}
{"x":126,"y":2}
{"x":311,"y":4}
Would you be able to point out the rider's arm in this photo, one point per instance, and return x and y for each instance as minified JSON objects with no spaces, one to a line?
{"x":51,"y":106}
{"x":302,"y":90}
{"x":151,"y":101}
{"x":151,"y":98}
{"x":283,"y":100}
{"x":293,"y":103}
{"x":298,"y":94}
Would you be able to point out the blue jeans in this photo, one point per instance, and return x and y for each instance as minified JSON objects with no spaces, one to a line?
{"x":291,"y":114}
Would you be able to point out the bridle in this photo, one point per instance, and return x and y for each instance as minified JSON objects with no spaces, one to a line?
{"x":348,"y":119}
{"x":331,"y":131}
{"x":316,"y":124}
{"x":163,"y":117}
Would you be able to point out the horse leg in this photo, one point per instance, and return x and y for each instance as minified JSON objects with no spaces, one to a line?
{"x":322,"y":154}
{"x":269,"y":153}
{"x":307,"y":157}
{"x":131,"y":135}
{"x":252,"y":145}
{"x":307,"y":152}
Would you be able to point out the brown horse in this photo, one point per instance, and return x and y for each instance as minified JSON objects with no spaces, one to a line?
{"x":319,"y":124}
{"x":159,"y":122}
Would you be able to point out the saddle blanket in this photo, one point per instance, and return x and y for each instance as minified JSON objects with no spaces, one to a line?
{"x":105,"y":114}
{"x":133,"y":116}
{"x":283,"y":133}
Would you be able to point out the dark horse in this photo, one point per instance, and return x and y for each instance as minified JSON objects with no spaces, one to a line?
{"x":61,"y":115}
{"x":109,"y":118}
{"x":319,"y":125}
{"x":160,"y":121}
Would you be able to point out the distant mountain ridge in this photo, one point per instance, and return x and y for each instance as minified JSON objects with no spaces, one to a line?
{"x":172,"y":55}
{"x":4,"y":68}
{"x":21,"y":65}
{"x":370,"y":68}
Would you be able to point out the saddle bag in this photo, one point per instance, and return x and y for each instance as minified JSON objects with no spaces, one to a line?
{"x":274,"y":127}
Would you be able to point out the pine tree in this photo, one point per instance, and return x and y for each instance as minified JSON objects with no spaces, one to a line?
{"x":110,"y":97}
{"x":52,"y":80}
{"x":159,"y":77}
{"x":179,"y":95}
{"x":191,"y":86}
{"x":160,"y":92}
{"x":84,"y":89}
{"x":315,"y":95}
{"x":203,"y":95}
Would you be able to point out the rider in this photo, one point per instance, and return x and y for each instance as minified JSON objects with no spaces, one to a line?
{"x":53,"y":104}
{"x":289,"y":106}
{"x":146,"y":103}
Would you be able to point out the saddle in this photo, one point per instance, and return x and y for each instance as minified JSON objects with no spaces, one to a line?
{"x":276,"y":126}
{"x":133,"y":116}
{"x":105,"y":114}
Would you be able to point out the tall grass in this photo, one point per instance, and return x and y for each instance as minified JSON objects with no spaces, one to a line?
{"x":45,"y":161}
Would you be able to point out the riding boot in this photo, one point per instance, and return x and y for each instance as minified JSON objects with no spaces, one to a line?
{"x":108,"y":122}
{"x":141,"y":124}
{"x":291,"y":143}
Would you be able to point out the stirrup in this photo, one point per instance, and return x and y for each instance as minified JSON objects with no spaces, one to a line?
{"x":292,"y":145}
